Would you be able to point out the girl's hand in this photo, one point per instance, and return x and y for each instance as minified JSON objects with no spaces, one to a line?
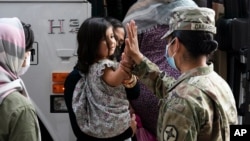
{"x":126,"y":64}
{"x":131,"y":43}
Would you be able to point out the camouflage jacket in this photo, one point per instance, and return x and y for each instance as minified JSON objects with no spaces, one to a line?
{"x":199,"y":105}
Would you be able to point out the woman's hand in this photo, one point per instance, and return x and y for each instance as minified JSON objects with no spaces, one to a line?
{"x":133,"y":124}
{"x":132,"y":46}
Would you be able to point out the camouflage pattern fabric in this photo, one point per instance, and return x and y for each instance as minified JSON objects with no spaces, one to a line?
{"x":191,"y":18}
{"x":154,"y":49}
{"x":199,"y":105}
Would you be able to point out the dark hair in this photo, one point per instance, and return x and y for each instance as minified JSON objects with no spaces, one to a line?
{"x":197,"y":42}
{"x":117,"y":24}
{"x":91,"y":32}
{"x":29,"y":36}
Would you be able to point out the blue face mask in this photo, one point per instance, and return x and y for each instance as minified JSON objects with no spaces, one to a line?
{"x":169,"y":59}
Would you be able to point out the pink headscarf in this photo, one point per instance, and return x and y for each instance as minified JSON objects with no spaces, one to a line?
{"x":12,"y":50}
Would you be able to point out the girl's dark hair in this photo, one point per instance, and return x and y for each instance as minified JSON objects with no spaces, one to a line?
{"x":197,"y":42}
{"x":29,"y":36}
{"x":89,"y":36}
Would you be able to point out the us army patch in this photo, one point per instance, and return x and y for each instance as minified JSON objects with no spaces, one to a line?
{"x":170,"y":133}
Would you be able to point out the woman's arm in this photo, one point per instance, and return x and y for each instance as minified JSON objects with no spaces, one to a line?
{"x":134,"y":92}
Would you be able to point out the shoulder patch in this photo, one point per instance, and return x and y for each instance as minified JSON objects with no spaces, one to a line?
{"x":170,"y":133}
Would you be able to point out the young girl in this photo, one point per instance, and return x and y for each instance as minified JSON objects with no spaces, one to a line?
{"x":99,"y":100}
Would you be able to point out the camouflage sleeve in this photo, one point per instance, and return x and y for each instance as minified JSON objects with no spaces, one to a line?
{"x":155,"y":79}
{"x":176,"y":121}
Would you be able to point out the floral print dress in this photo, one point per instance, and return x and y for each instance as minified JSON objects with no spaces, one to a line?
{"x":101,"y":110}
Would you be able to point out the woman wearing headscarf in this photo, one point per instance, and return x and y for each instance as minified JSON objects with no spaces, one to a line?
{"x":18,"y":120}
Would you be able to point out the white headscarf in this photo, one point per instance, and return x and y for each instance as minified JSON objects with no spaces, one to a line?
{"x":150,"y":13}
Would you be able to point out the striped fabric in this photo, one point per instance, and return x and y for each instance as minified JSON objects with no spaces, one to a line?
{"x":12,"y":50}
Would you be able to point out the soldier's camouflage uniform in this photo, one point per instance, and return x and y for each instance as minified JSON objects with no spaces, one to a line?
{"x":199,"y":105}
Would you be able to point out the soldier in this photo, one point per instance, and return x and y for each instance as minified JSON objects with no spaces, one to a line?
{"x":199,"y":105}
